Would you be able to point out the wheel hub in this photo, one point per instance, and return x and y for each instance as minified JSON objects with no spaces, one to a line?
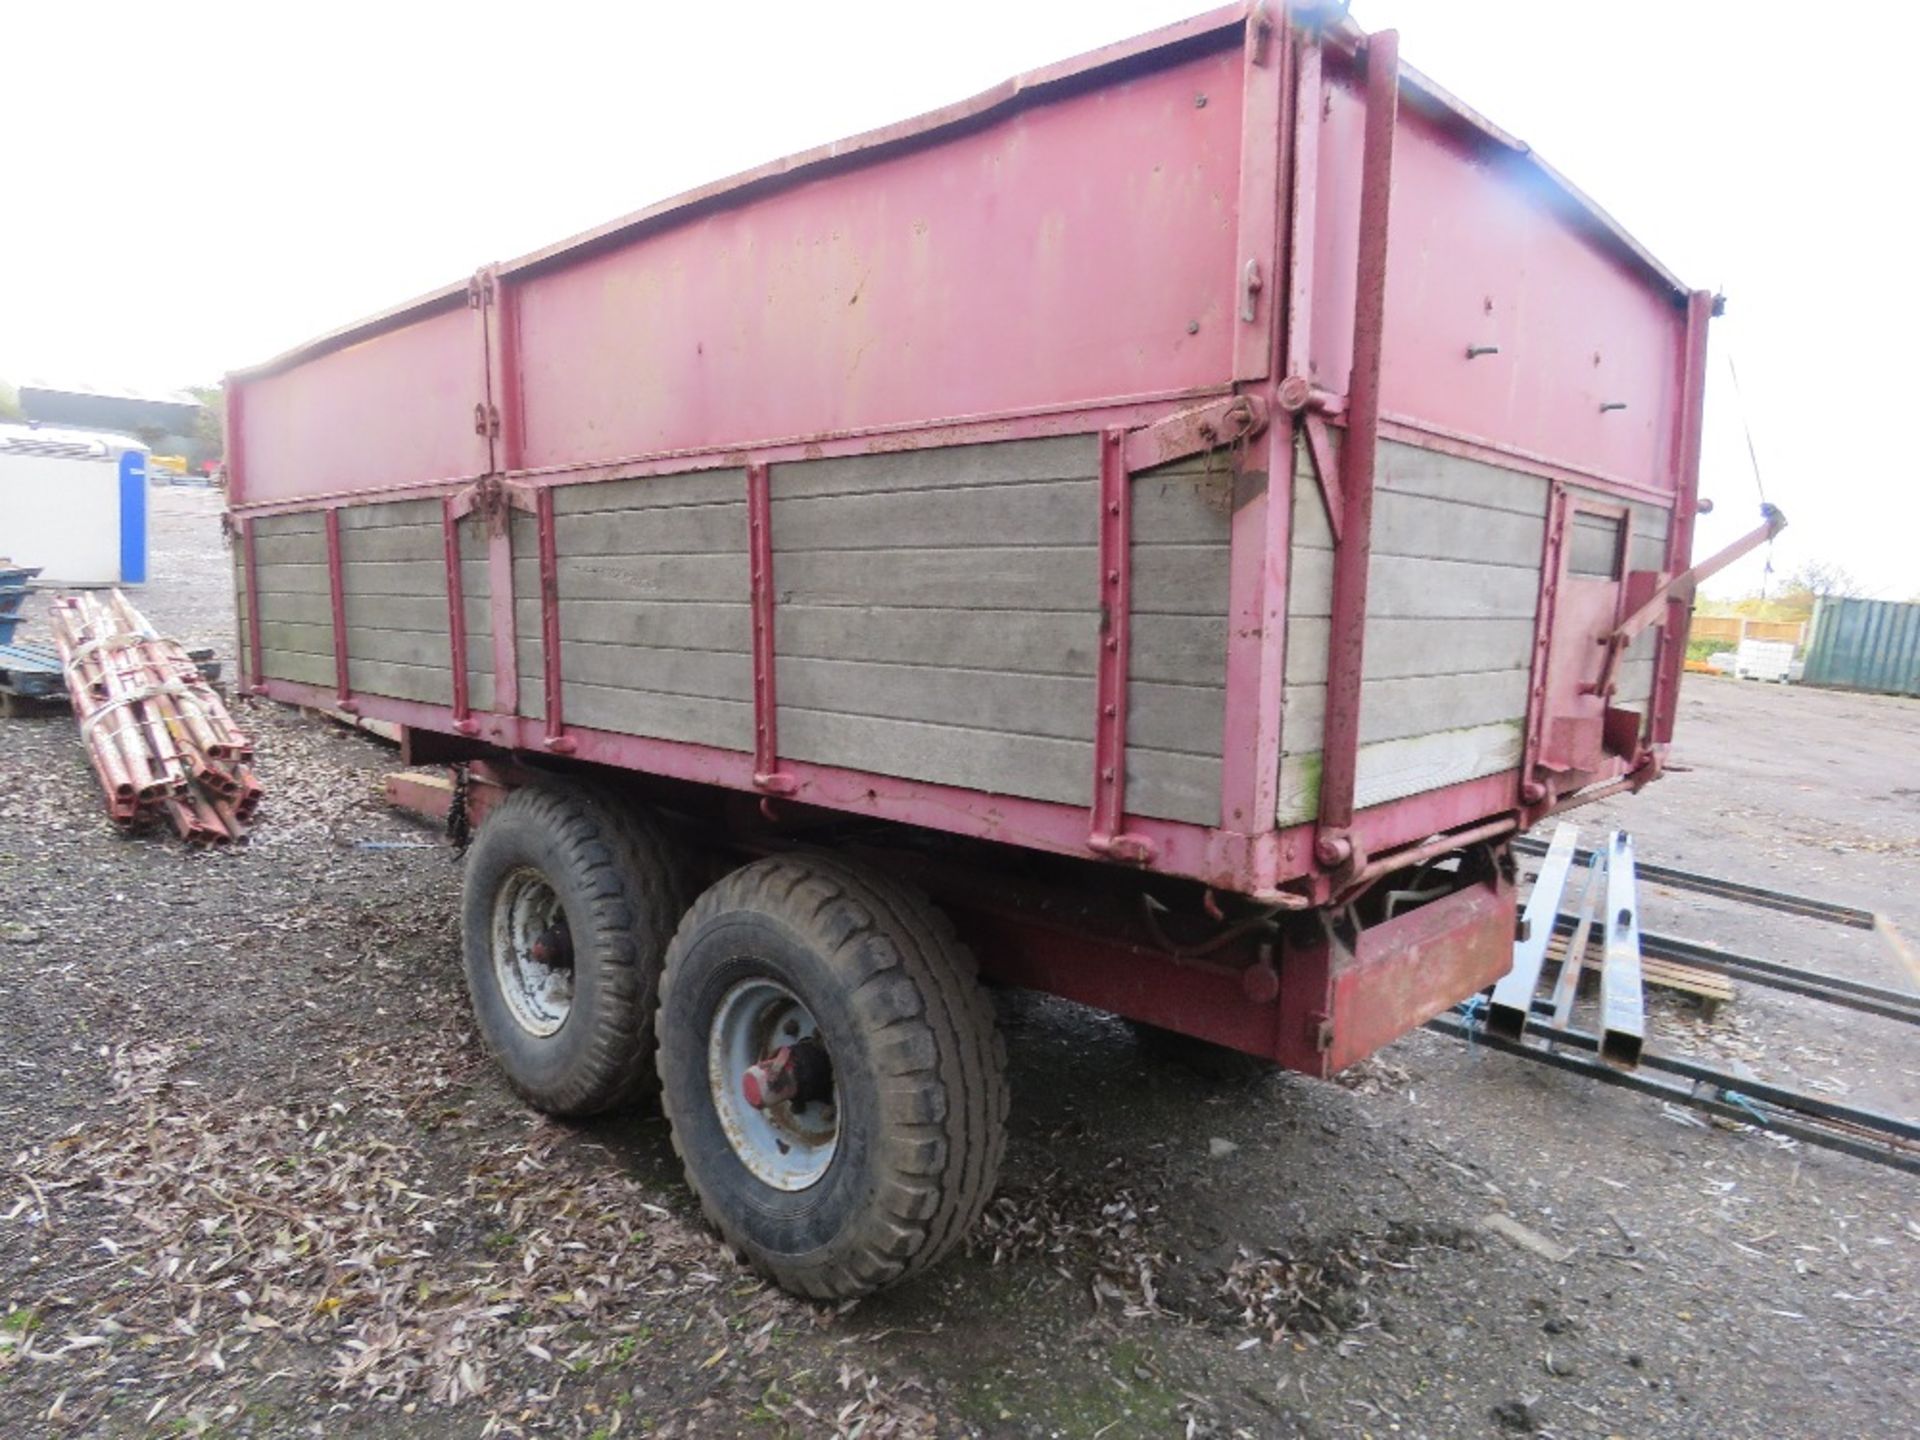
{"x":532,"y":952}
{"x":794,"y":1074}
{"x":772,"y":1083}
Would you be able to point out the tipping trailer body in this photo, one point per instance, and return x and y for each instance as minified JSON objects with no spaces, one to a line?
{"x":1216,"y":457}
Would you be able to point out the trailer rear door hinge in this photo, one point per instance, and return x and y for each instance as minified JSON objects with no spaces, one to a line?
{"x":486,"y":419}
{"x":479,"y":289}
{"x":1192,"y":432}
{"x":1251,"y":283}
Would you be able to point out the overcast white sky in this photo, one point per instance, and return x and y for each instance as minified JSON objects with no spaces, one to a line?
{"x":193,"y":187}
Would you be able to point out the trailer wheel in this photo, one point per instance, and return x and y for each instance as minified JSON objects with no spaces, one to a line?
{"x":568,"y":903}
{"x":832,"y":1073}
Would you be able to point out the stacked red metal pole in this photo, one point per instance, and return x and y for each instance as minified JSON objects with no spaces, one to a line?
{"x":160,"y":739}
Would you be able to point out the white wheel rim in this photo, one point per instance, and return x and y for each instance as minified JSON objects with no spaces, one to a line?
{"x":539,"y":995}
{"x":788,"y":1144}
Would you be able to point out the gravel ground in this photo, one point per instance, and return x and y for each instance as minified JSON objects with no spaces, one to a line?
{"x":262,"y":1181}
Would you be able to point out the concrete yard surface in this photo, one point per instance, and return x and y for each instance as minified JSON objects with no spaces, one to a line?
{"x":262,"y":1181}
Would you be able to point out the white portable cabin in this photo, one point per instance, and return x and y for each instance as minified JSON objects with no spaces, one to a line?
{"x":74,"y":504}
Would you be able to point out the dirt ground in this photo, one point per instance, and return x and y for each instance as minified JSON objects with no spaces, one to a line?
{"x":261,"y":1181}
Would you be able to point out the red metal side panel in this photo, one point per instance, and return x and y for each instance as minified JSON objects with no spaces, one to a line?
{"x":394,"y":409}
{"x":1486,"y":254}
{"x":1076,"y":251}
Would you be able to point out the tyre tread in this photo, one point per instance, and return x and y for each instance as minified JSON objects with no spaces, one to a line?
{"x":921,"y":1211}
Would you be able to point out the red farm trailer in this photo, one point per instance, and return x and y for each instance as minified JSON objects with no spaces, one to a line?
{"x":1149,"y":534}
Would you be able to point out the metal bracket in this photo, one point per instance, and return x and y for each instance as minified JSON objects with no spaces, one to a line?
{"x":1326,"y":471}
{"x":1192,"y":432}
{"x":1680,"y":589}
{"x":492,"y":497}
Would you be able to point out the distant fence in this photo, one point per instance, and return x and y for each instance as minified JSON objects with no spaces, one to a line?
{"x":1732,"y":629}
{"x":1865,"y":645}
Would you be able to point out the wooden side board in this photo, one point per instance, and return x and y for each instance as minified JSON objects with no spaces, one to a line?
{"x":937,"y":616}
{"x":1452,"y":598}
{"x":938,"y":619}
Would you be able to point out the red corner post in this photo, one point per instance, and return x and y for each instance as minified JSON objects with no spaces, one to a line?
{"x":1701,"y":308}
{"x":337,"y":595}
{"x":766,"y":708}
{"x":249,"y":561}
{"x":1334,"y":846}
{"x":456,"y":618}
{"x":1106,"y":835}
{"x":557,"y":739}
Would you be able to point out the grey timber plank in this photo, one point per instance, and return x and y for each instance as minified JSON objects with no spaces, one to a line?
{"x":695,"y":718}
{"x":426,"y":543}
{"x":1180,"y":580}
{"x":399,"y":612}
{"x":1035,"y":767}
{"x":297,"y":639}
{"x":1397,"y":648}
{"x":1183,"y":503}
{"x":1394,"y":769}
{"x":302,"y":669}
{"x":1410,"y":470}
{"x":400,"y":647}
{"x":1401,"y":586}
{"x":1055,"y":512}
{"x":710,"y":674}
{"x":1635,"y":683}
{"x":1027,"y":643}
{"x":432,"y":685}
{"x":391,"y":512}
{"x":649,"y":492}
{"x":1173,"y":787}
{"x":1044,"y":705}
{"x":305,"y":522}
{"x":1397,"y":709}
{"x":1593,"y":545}
{"x":689,"y":626}
{"x":393,"y":577}
{"x":310,"y":609}
{"x":295,"y":549}
{"x":658,"y":530}
{"x":1179,"y":649}
{"x":978,"y":577}
{"x":294,"y":579}
{"x":1421,"y":527}
{"x":641,"y":577}
{"x":1065,"y":457}
{"x":1182,"y":719}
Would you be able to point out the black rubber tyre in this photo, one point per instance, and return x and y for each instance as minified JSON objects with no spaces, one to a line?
{"x":619,"y":879}
{"x":919,"y":1072}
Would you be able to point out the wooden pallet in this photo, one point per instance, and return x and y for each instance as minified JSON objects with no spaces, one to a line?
{"x":1667,"y":974}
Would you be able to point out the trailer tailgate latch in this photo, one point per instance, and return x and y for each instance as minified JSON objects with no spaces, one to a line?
{"x":1251,"y":283}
